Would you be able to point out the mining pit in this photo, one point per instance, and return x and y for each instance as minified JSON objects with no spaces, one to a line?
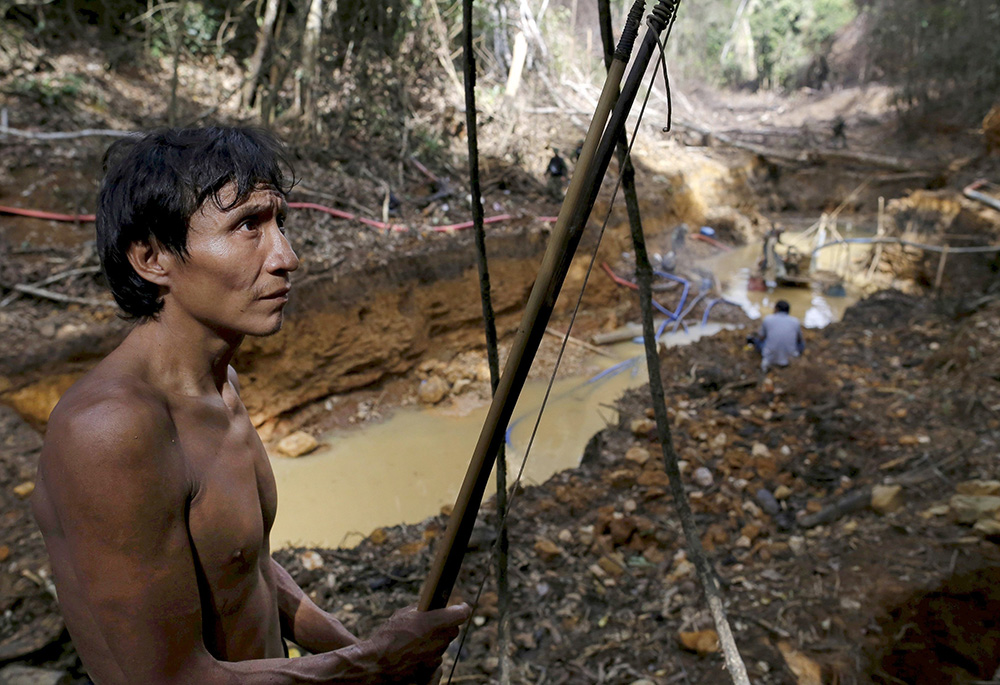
{"x":898,"y":402}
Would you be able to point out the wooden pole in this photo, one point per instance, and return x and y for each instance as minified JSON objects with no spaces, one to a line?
{"x":584,"y":186}
{"x":879,"y":232}
{"x":940,"y":270}
{"x":444,"y":570}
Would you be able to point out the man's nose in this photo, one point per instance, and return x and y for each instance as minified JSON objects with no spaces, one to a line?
{"x":282,"y":257}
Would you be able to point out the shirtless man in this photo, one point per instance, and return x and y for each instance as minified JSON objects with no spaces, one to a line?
{"x":154,"y":494}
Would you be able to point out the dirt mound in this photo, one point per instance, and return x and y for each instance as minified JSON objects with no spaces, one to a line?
{"x":949,"y":634}
{"x":886,"y":309}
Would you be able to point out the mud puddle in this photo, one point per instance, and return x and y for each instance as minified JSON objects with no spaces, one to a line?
{"x":406,"y":468}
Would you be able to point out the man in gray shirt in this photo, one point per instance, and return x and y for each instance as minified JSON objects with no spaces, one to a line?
{"x":780,"y":337}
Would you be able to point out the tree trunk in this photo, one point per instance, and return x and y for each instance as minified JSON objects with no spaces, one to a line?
{"x":264,"y":35}
{"x":177,"y":33}
{"x":443,"y":48}
{"x":305,"y":102}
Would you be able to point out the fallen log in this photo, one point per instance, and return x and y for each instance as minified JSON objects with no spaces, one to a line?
{"x":576,"y":341}
{"x":808,"y":156}
{"x":626,"y":332}
{"x":58,"y":297}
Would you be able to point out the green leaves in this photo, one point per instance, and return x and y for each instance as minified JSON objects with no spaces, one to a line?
{"x":50,"y":91}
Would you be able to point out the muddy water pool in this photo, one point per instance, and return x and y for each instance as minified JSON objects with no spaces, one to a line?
{"x":406,"y":468}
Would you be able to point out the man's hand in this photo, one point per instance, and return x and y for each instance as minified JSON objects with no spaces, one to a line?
{"x":408,"y":647}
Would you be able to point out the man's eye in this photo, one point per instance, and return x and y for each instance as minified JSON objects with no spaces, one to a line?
{"x":249,"y":223}
{"x":280,"y":220}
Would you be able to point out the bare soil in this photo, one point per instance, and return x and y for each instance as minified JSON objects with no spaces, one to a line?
{"x":603,"y":590}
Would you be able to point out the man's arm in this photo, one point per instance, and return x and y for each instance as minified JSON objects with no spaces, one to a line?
{"x":762,"y":333}
{"x":113,"y":510}
{"x":113,"y":515}
{"x":303,"y":622}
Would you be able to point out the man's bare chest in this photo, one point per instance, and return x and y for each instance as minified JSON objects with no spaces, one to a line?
{"x":233,"y":494}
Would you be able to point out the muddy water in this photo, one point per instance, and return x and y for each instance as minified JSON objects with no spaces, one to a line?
{"x":406,"y":468}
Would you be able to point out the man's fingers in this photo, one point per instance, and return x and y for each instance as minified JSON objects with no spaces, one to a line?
{"x":456,"y":614}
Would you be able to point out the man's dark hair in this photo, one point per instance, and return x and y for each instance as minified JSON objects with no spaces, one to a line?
{"x":782,"y":306}
{"x":154,"y":183}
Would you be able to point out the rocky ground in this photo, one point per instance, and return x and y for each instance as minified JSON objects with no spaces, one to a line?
{"x":848,"y":504}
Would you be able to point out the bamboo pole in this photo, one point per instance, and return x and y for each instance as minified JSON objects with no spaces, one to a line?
{"x":576,"y":208}
{"x":444,"y":570}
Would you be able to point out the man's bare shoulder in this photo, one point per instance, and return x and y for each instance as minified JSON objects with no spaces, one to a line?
{"x":108,"y":419}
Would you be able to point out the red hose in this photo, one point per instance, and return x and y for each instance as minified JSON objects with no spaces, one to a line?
{"x":340,"y":214}
{"x":711,"y":241}
{"x":51,"y":216}
{"x":618,"y":279}
{"x":344,"y":215}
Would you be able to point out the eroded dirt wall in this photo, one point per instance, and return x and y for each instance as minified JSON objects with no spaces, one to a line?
{"x":339,"y":339}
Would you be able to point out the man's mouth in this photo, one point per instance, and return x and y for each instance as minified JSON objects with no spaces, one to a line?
{"x":279,"y":294}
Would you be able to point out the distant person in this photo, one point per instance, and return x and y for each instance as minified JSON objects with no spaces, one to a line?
{"x":392,"y":204}
{"x":838,"y":131}
{"x":779,"y":338}
{"x":818,"y":73}
{"x":154,"y":494}
{"x":556,"y":171}
{"x":679,"y":237}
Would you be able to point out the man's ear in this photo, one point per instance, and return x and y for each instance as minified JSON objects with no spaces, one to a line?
{"x":150,"y":261}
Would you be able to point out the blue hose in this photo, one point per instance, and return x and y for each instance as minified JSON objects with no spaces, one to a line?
{"x":614,"y":370}
{"x":712,"y":303}
{"x":671,"y":316}
{"x":609,"y":372}
{"x":684,"y":293}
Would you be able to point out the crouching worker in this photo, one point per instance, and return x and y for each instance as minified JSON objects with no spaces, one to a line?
{"x":154,"y":493}
{"x":779,"y":338}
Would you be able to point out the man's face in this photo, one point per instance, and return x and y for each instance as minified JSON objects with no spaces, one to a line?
{"x":235,"y":277}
